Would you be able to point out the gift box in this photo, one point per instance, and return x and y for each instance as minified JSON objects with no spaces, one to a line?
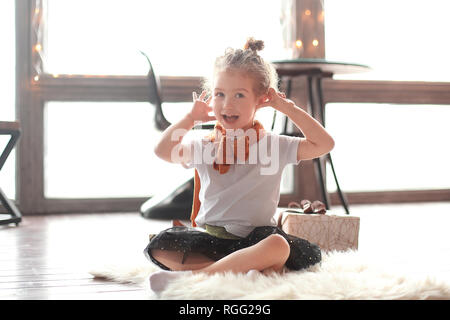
{"x":328,"y":231}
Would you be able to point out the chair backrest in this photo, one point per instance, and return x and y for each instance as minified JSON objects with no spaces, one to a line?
{"x":154,"y":96}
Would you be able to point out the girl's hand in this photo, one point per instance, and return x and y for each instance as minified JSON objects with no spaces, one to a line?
{"x":201,"y":108}
{"x":276,"y":100}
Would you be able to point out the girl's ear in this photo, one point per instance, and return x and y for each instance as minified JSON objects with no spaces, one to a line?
{"x":265,"y":97}
{"x":262,"y":100}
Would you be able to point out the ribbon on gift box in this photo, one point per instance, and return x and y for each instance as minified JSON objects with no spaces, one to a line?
{"x":309,"y":207}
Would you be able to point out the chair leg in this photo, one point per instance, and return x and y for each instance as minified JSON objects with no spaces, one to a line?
{"x":12,"y":210}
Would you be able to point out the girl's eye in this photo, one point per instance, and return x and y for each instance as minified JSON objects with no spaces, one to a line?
{"x":219,"y":94}
{"x":239,"y":95}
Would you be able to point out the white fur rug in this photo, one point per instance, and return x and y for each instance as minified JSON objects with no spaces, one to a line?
{"x":340,"y":275}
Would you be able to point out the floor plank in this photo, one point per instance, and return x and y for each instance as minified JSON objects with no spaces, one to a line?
{"x":48,"y":257}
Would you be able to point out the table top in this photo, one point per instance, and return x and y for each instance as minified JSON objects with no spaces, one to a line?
{"x":302,"y":66}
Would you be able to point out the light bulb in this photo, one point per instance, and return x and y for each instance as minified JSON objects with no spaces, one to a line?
{"x":38,"y":47}
{"x":307,"y":12}
{"x":315,"y":42}
{"x":298,"y":43}
{"x":321,"y":16}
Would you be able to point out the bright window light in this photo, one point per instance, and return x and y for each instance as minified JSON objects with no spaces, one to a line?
{"x":383,"y":147}
{"x":180,"y":37}
{"x":399,"y":40}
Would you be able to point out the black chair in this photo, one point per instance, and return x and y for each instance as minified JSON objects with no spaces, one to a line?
{"x":154,"y":97}
{"x":176,"y":204}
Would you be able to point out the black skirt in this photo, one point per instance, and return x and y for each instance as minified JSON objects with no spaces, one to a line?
{"x":303,"y":254}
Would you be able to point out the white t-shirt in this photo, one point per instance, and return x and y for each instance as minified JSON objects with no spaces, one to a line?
{"x":247,"y":195}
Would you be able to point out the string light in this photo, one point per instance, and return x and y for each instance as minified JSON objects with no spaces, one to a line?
{"x":36,"y":78}
{"x":302,"y":46}
{"x":38,"y":47}
{"x":320,"y":16}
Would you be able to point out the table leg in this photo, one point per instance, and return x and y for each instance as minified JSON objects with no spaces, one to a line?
{"x":315,"y":110}
{"x":340,"y":193}
{"x":321,"y":117}
{"x":288,"y":94}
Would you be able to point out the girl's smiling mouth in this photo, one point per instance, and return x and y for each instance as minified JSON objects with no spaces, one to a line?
{"x":230,"y":118}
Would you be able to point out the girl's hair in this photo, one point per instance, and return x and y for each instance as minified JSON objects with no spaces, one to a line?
{"x":248,"y":61}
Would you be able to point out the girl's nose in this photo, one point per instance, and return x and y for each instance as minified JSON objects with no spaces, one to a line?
{"x":228,"y":105}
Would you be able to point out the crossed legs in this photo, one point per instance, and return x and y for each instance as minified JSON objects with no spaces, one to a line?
{"x":270,"y":254}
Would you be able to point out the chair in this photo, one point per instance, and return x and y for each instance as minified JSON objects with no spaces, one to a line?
{"x":176,"y":204}
{"x":12,"y":129}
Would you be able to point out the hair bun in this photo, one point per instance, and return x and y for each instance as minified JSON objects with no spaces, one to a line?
{"x":254,"y":45}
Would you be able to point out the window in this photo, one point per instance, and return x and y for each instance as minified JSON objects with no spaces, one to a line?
{"x":180,"y":37}
{"x":103,"y":149}
{"x":87,"y":71}
{"x":117,"y":138}
{"x":7,"y":84}
{"x":382,"y":147}
{"x":397,"y":145}
{"x":399,"y":40}
{"x":91,"y":91}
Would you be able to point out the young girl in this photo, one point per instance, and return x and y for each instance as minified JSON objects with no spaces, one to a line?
{"x":238,"y":171}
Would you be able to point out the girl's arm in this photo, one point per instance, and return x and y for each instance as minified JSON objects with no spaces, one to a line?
{"x":317,"y":141}
{"x":173,"y":135}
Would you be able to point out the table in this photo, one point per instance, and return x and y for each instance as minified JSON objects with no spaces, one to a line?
{"x":12,"y":129}
{"x":315,"y":70}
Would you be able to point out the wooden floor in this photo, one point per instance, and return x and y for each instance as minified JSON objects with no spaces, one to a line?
{"x":48,"y":257}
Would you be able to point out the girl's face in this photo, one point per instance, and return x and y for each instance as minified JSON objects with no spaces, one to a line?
{"x":234,"y":101}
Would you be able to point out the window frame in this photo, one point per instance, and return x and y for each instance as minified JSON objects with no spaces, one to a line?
{"x":394,"y":92}
{"x":32,"y":95}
